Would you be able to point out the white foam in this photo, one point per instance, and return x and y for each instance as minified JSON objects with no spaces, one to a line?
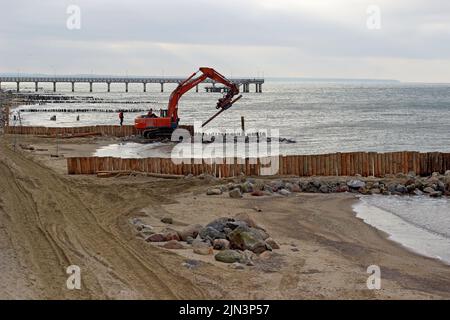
{"x":392,"y":215}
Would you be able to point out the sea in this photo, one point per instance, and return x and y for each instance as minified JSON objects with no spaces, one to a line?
{"x":320,"y":116}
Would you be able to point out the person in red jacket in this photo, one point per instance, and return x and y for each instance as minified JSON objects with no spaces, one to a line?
{"x":121,"y":117}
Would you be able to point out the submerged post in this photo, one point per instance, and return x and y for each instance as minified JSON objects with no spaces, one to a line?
{"x":54,"y":86}
{"x":162,"y":87}
{"x":109,"y":86}
{"x":145,"y":87}
{"x":90,"y":86}
{"x":18,"y":86}
{"x":242,"y":124}
{"x":73,"y":86}
{"x":36,"y":86}
{"x":126,"y":86}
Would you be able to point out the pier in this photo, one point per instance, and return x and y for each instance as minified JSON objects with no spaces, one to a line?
{"x":244,"y":83}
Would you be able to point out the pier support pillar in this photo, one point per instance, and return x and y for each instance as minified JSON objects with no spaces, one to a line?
{"x":109,"y":86}
{"x":162,"y":87}
{"x":18,"y":86}
{"x":73,"y":86}
{"x":90,"y":86}
{"x":145,"y":87}
{"x":36,"y":86}
{"x":54,"y":86}
{"x":126,"y":86}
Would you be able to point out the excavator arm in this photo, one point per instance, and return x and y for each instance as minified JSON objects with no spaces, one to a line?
{"x":223,"y":103}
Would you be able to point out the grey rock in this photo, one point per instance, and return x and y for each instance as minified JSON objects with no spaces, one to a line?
{"x":237,"y":266}
{"x":190,"y":231}
{"x":229,"y":256}
{"x":284,"y":192}
{"x":202,"y":248}
{"x":247,"y":187}
{"x":214,"y":191}
{"x":167,"y":220}
{"x":400,"y":188}
{"x":220,"y":223}
{"x":245,"y":239}
{"x":221,"y":244}
{"x":436,"y":194}
{"x":272,"y":243}
{"x":428,"y":190}
{"x":324,"y":188}
{"x":211,"y":233}
{"x":356,"y":184}
{"x":235,"y":193}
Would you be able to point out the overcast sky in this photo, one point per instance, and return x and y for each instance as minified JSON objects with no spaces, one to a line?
{"x":293,"y":38}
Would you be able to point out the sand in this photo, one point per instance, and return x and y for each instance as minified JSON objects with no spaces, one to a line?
{"x":49,"y":220}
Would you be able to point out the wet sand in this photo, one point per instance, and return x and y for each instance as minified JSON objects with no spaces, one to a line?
{"x":50,"y":220}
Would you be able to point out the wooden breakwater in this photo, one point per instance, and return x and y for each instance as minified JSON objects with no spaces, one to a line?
{"x":335,"y":164}
{"x":115,"y":131}
{"x":105,"y":130}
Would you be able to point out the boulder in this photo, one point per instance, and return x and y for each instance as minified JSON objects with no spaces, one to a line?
{"x":221,"y":244}
{"x":229,"y":256}
{"x":202,"y":248}
{"x":156,"y":237}
{"x":220,"y":223}
{"x":167,"y":220}
{"x":244,"y":239}
{"x":237,"y":266}
{"x":235,"y":193}
{"x":213,"y":191}
{"x":190,"y":231}
{"x":245,"y":217}
{"x":436,"y":194}
{"x":211,"y":233}
{"x":284,"y":192}
{"x":173,"y":244}
{"x":247,"y":187}
{"x":276,"y":185}
{"x":356,"y":184}
{"x":293,"y":187}
{"x":257,"y":193}
{"x":428,"y":190}
{"x":170,"y":234}
{"x":324,"y":188}
{"x":272,"y":243}
{"x":342,"y":188}
{"x":400,"y":188}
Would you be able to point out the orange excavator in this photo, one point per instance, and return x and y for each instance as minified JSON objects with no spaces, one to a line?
{"x":153,"y":126}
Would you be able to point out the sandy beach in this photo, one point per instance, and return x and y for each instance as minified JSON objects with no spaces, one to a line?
{"x":50,"y":220}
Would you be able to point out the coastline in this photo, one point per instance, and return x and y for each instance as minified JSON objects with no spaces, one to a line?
{"x":325,"y":249}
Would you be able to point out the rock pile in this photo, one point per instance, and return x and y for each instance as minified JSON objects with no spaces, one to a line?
{"x":436,"y":185}
{"x":237,"y":240}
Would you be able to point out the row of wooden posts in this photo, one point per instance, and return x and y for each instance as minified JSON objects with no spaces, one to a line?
{"x":104,"y":130}
{"x":116,"y":131}
{"x":334,"y":164}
